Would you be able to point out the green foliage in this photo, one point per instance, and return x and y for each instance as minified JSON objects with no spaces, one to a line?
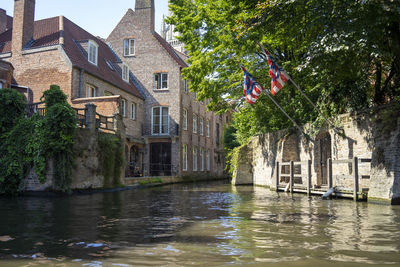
{"x":12,"y":107}
{"x":32,"y":142}
{"x":157,"y":180}
{"x":54,"y":96}
{"x":15,"y":162}
{"x":344,"y":54}
{"x":112,"y":159}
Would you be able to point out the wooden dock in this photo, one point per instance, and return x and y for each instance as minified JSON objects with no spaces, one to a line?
{"x":337,"y":191}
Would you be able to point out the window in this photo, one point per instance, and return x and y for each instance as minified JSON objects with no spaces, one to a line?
{"x":208,"y":128}
{"x":185,"y":120}
{"x":186,"y":86}
{"x":133,"y":111}
{"x":123,"y":107}
{"x":194,"y":158}
{"x":92,"y":52}
{"x":161,"y":81}
{"x":129,"y":47}
{"x":194,"y":123}
{"x":1,"y":85}
{"x":91,"y":91}
{"x":201,"y":126}
{"x":184,"y":157}
{"x":125,"y":72}
{"x":208,"y":159}
{"x":202,"y":159}
{"x":160,"y":120}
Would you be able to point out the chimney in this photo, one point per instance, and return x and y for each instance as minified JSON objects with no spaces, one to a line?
{"x":22,"y":31}
{"x":3,"y":21}
{"x":145,"y":10}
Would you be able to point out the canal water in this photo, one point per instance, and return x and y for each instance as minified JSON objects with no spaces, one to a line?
{"x":197,"y":225}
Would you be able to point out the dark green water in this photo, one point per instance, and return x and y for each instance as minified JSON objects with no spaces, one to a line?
{"x":197,"y":225}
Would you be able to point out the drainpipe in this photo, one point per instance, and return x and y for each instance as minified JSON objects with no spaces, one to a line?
{"x":80,"y":83}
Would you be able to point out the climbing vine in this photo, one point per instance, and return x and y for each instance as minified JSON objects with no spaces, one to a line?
{"x":111,"y":157}
{"x":34,"y":142}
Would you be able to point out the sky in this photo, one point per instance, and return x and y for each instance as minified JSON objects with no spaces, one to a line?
{"x":99,"y":17}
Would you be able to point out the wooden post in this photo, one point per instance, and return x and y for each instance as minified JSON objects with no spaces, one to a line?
{"x":329,"y":168}
{"x":309,"y":177}
{"x":291,"y":181}
{"x":355,"y":175}
{"x":277,"y":176}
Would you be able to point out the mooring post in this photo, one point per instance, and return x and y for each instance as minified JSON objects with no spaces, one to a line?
{"x":355,"y":175}
{"x":291,"y":181}
{"x":329,"y":167}
{"x":277,"y":176}
{"x":309,"y":177}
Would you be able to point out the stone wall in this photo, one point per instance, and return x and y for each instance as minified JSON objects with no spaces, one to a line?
{"x":371,"y":135}
{"x":86,"y":173}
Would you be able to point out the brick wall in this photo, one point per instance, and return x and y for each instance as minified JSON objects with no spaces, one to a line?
{"x":6,"y":73}
{"x":110,"y":106}
{"x":40,"y":70}
{"x":150,"y":58}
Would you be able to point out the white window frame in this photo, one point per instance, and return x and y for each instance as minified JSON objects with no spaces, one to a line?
{"x":201,"y":126}
{"x":125,"y":72}
{"x":202,"y":159}
{"x":93,"y":50}
{"x":194,"y":158}
{"x":185,"y":119}
{"x":123,"y":107}
{"x":208,"y":128}
{"x":128,"y":46}
{"x":161,"y":121}
{"x":133,"y":111}
{"x":162,"y":76}
{"x":208,"y":159}
{"x":184,"y":157}
{"x":90,"y":89}
{"x":194,"y":123}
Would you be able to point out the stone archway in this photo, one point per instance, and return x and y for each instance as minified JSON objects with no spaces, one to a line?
{"x":323,"y":151}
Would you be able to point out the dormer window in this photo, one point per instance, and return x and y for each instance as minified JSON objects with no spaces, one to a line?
{"x":125,"y":72}
{"x":92,"y":52}
{"x":129,"y":47}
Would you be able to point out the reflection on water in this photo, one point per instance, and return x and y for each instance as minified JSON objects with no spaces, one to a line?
{"x":183,"y":225}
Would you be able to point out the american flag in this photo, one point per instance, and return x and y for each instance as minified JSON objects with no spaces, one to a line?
{"x":251,"y":88}
{"x":278,"y":75}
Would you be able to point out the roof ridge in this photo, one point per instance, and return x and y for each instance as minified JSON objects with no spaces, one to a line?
{"x":170,"y":50}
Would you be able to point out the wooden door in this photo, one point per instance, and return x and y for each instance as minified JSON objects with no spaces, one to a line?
{"x":324,"y":154}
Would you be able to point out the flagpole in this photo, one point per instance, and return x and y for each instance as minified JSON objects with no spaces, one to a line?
{"x":284,"y":112}
{"x":309,"y":100}
{"x":301,"y":91}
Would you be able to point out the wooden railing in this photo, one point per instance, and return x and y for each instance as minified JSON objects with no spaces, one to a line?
{"x":80,"y":116}
{"x":35,"y":108}
{"x":106,"y":123}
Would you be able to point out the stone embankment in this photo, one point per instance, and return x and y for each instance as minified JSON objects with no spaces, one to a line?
{"x":371,"y":136}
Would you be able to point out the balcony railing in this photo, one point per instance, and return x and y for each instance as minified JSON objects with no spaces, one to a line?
{"x":147,"y":130}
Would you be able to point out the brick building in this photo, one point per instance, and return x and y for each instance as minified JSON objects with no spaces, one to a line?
{"x":181,"y":136}
{"x":57,"y":51}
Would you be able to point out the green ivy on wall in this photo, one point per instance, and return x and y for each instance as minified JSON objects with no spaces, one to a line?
{"x":32,"y":142}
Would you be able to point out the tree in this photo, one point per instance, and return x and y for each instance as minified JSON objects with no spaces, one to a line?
{"x":345,"y":54}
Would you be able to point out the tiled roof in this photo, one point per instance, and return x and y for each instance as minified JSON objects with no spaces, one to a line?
{"x":171,"y":51}
{"x":47,"y":33}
